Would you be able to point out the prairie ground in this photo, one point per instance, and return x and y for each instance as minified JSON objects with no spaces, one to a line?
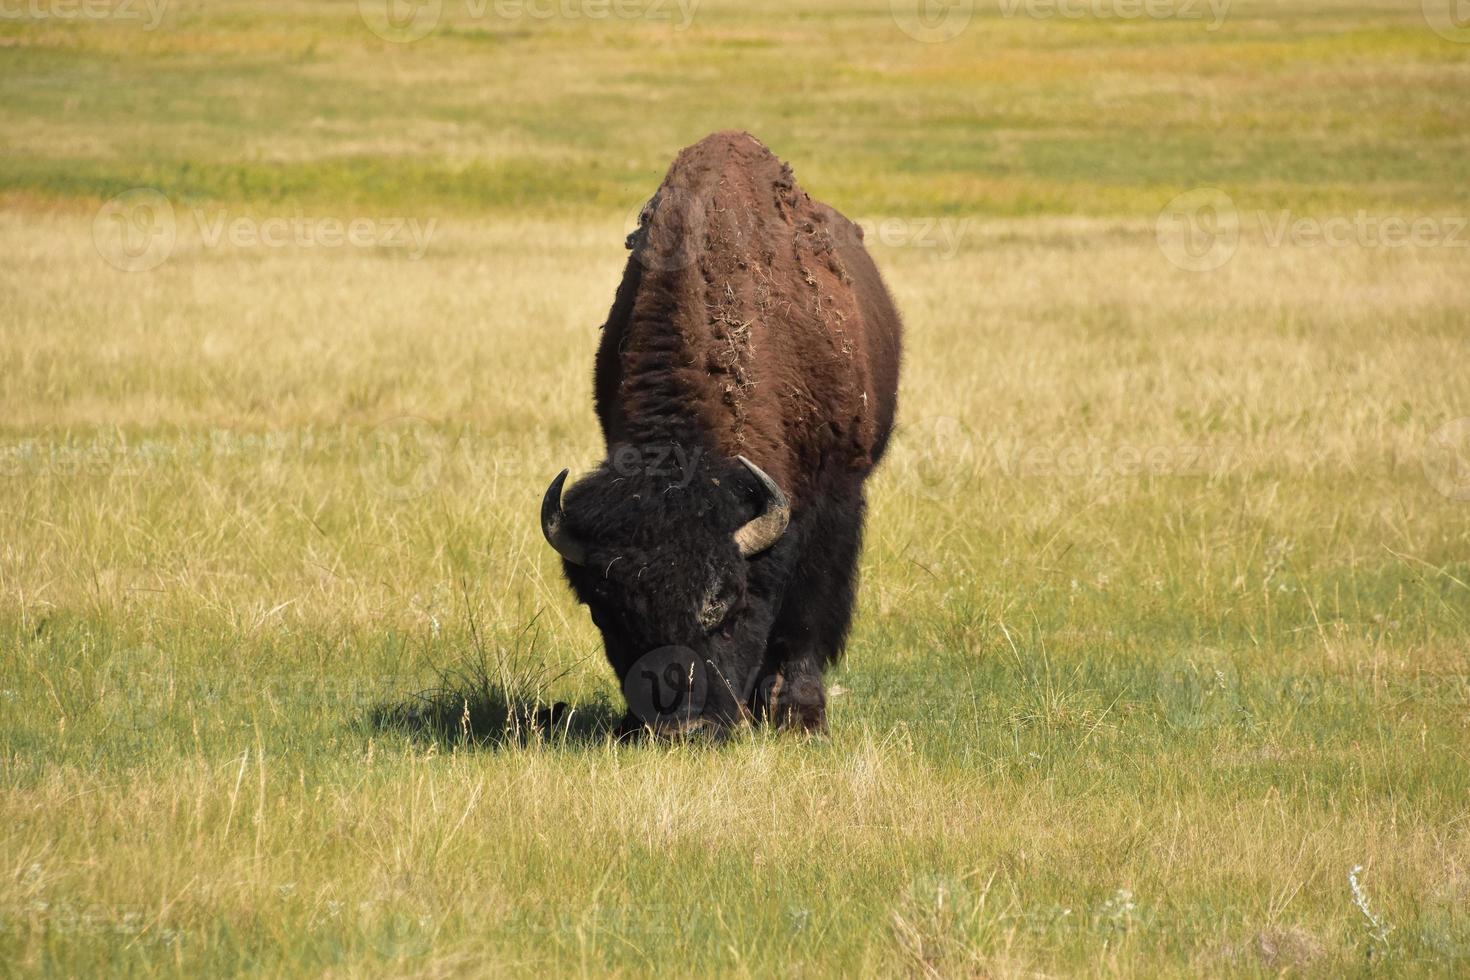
{"x":1162,"y":660}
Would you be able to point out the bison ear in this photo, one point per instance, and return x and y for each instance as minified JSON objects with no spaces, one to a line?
{"x":766,"y":528}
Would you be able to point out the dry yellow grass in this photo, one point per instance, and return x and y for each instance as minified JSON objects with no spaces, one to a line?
{"x":1165,"y":624}
{"x":1021,"y":779}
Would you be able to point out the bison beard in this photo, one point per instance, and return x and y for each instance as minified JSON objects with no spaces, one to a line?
{"x":746,"y":385}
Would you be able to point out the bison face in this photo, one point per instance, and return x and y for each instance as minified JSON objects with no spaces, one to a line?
{"x":682,"y":575}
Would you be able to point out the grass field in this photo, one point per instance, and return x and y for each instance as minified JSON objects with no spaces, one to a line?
{"x":1165,"y":624}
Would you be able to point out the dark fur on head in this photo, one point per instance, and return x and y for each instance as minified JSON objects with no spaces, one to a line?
{"x":662,"y":569}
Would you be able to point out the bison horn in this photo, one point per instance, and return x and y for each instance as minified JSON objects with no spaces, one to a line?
{"x":554,"y":524}
{"x":766,"y":529}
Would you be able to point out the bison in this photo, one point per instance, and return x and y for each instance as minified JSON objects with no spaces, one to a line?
{"x":746,"y":384}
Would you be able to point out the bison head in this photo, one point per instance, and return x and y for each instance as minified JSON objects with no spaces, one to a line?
{"x":681,"y":569}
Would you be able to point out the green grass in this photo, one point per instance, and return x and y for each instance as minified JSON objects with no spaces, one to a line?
{"x":1165,"y":623}
{"x":299,"y":102}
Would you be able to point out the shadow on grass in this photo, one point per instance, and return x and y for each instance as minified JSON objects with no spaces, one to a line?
{"x":497,"y":700}
{"x":472,"y":710}
{"x":500,"y":700}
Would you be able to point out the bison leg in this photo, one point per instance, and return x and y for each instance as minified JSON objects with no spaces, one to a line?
{"x":815,"y":615}
{"x":793,"y":697}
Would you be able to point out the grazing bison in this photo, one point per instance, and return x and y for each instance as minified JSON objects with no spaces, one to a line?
{"x":746,"y":385}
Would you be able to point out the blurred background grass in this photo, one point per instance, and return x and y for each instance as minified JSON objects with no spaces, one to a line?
{"x":1280,"y":102}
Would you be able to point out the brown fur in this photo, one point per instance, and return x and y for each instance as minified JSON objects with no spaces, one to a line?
{"x":752,"y":312}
